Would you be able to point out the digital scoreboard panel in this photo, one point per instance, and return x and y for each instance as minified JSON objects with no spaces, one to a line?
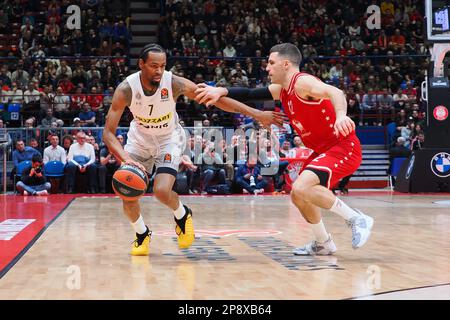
{"x":438,"y":20}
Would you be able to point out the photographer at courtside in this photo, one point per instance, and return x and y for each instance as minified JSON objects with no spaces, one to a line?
{"x":33,"y":181}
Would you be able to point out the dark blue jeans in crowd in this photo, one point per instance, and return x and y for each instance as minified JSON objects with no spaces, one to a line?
{"x":209,"y":175}
{"x":71,"y":172}
{"x":245,"y":184}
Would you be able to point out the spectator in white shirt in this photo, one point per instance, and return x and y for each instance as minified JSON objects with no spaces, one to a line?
{"x":336,"y":72}
{"x":31,"y":95}
{"x":55,"y":152}
{"x":16,"y":94}
{"x":229,"y":51}
{"x":81,"y":158}
{"x":61,"y":103}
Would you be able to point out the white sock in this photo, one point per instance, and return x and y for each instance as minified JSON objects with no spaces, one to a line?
{"x":342,"y":209}
{"x":139,"y":225}
{"x":180,"y":212}
{"x":320,"y":233}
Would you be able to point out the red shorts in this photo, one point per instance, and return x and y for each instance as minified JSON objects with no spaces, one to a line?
{"x":337,"y":162}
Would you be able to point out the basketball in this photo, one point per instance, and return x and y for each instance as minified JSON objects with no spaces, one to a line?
{"x":129,"y":182}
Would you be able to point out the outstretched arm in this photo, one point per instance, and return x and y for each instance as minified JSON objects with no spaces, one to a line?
{"x":311,"y":87}
{"x":186,"y":87}
{"x":210,"y":95}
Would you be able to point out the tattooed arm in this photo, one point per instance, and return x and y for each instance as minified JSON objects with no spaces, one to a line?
{"x":183,"y":86}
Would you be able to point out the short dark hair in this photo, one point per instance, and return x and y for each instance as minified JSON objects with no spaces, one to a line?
{"x":67,"y":137}
{"x":290,"y":51}
{"x":152,"y":47}
{"x":36,"y":158}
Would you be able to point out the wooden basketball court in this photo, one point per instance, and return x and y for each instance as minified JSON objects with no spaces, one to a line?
{"x":243,"y":251}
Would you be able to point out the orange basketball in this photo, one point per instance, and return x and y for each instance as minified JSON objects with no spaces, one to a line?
{"x":129,"y":182}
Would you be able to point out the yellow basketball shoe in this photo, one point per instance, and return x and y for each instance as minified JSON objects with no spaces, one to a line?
{"x":141,"y":246}
{"x":185,"y":229}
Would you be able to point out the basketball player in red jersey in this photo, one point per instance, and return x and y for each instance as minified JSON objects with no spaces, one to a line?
{"x":317,"y":111}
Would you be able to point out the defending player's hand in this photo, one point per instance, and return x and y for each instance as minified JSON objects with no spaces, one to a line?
{"x":208,"y":95}
{"x":267,"y":118}
{"x":344,"y":125}
{"x":131,"y":162}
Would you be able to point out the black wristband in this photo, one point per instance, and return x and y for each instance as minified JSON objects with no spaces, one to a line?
{"x":246,"y":94}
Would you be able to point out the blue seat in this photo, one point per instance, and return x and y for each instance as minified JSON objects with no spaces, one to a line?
{"x":395,"y":168}
{"x":14,"y":111}
{"x":391,"y":129}
{"x":396,"y":165}
{"x":2,"y":107}
{"x":22,"y":166}
{"x":54,"y":169}
{"x":14,"y":107}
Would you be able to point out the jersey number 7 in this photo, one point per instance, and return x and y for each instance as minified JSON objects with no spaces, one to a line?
{"x":151,"y":109}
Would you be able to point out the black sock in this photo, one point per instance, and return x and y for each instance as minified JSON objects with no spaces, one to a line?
{"x":143,"y":235}
{"x":182,"y":222}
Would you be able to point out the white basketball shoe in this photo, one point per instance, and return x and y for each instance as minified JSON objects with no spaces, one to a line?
{"x":361,"y":226}
{"x":316,"y":248}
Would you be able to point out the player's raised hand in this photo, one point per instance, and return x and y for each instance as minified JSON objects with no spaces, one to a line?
{"x":343,"y":125}
{"x":209,"y":95}
{"x":267,"y":118}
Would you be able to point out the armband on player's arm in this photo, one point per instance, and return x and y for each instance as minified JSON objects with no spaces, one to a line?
{"x":210,"y":95}
{"x":245,"y":94}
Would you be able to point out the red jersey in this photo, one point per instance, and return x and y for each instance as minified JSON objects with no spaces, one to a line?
{"x":313,"y":120}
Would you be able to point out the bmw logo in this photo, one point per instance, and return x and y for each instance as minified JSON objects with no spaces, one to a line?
{"x":440,"y":164}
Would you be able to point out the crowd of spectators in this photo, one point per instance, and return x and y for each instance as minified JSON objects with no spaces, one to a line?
{"x":46,"y":66}
{"x":226,"y":43}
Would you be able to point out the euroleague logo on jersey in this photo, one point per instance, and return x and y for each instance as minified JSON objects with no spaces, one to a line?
{"x":440,"y":164}
{"x":164,"y":94}
{"x":440,"y":113}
